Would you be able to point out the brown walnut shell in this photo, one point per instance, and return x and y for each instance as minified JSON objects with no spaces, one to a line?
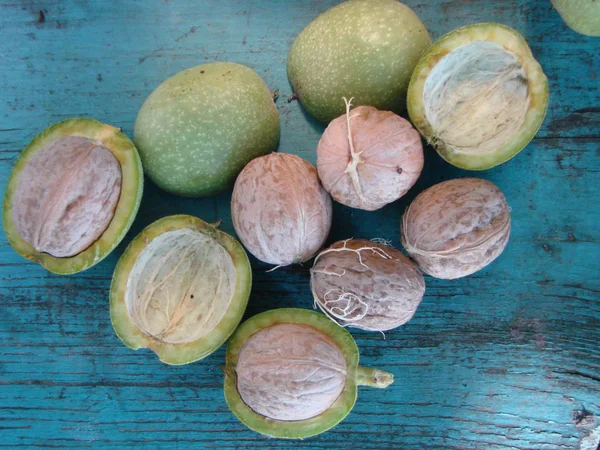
{"x":290,"y":372}
{"x":456,"y":227}
{"x":375,"y":163}
{"x":67,"y":195}
{"x":280,"y":211}
{"x":368,"y":285}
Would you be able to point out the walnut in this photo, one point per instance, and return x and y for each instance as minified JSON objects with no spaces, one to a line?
{"x":290,"y":372}
{"x":367,"y":285}
{"x":457,"y":227}
{"x":280,"y":211}
{"x":66,"y":196}
{"x":368,"y":158}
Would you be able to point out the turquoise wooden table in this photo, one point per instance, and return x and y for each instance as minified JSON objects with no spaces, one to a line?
{"x":508,"y":358}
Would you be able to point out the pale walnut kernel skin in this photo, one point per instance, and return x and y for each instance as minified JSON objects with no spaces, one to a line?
{"x":67,"y":195}
{"x":290,"y":372}
{"x":476,"y":98}
{"x":457,"y":227}
{"x":180,"y":286}
{"x":280,"y":211}
{"x":367,"y":285}
{"x":389,"y":158}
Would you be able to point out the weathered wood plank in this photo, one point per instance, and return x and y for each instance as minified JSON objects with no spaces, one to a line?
{"x":501,"y":359}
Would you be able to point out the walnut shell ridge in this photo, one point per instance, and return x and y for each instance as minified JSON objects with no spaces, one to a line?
{"x":456,"y":227}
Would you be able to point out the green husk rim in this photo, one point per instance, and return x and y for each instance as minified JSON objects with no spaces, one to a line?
{"x":292,"y":429}
{"x":129,"y":201}
{"x":179,"y":354}
{"x":511,"y":40}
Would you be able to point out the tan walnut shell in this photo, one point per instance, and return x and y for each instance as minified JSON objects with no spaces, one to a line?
{"x":67,"y":195}
{"x":456,"y":227}
{"x":373,"y":164}
{"x":280,"y":211}
{"x":290,"y":372}
{"x":367,"y":285}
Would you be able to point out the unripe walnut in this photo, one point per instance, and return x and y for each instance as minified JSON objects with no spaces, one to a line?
{"x":280,"y":211}
{"x":457,"y":227}
{"x":368,"y":158}
{"x":290,"y":372}
{"x":364,"y":284}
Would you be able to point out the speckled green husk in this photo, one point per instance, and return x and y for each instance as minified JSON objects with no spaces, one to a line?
{"x":366,"y":49}
{"x":582,"y":16}
{"x":200,"y":127}
{"x":299,"y":429}
{"x":132,"y":185}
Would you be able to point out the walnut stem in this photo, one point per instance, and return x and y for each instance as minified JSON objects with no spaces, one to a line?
{"x":366,"y":376}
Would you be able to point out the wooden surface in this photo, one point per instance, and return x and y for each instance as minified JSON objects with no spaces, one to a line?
{"x":503,"y":359}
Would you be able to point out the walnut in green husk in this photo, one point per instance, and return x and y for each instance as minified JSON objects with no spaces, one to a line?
{"x":582,"y":16}
{"x":73,"y":194}
{"x":293,"y":373}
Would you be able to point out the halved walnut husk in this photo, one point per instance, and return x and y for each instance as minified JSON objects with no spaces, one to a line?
{"x":73,"y":194}
{"x":180,"y":289}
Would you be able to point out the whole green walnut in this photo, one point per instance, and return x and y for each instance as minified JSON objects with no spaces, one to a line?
{"x":200,"y":127}
{"x":583,"y":16}
{"x":366,"y":49}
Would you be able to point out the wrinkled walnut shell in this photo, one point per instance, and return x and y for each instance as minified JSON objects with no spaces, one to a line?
{"x":363,"y":284}
{"x":457,"y":227}
{"x":67,"y":195}
{"x":375,"y":163}
{"x":280,"y":211}
{"x":290,"y":372}
{"x":288,"y":363}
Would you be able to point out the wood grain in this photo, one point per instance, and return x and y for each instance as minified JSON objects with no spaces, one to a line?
{"x":505,"y":359}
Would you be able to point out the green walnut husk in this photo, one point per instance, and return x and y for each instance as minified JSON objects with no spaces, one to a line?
{"x":478,"y":95}
{"x":304,"y":358}
{"x":180,"y":289}
{"x":360,"y":49}
{"x":200,"y":127}
{"x":582,"y":16}
{"x":55,"y":213}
